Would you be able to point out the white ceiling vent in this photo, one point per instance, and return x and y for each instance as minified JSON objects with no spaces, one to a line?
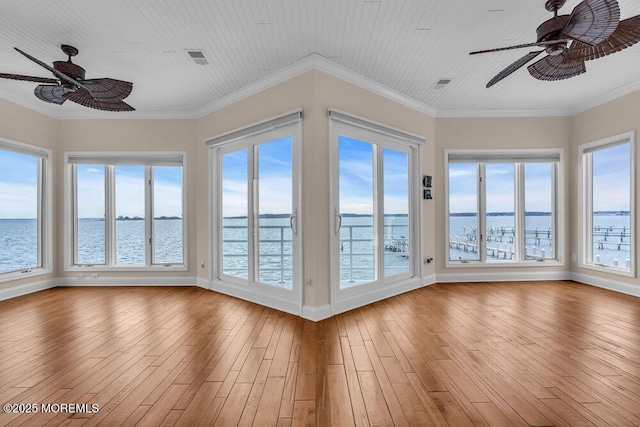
{"x":198,"y":57}
{"x":442,"y":83}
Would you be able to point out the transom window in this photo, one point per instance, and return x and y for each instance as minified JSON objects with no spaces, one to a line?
{"x":502,"y":206}
{"x":24,"y":210}
{"x":127,"y":211}
{"x":608,"y":241}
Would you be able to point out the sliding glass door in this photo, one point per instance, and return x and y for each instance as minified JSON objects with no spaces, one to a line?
{"x":375,"y":210}
{"x":257,"y":237}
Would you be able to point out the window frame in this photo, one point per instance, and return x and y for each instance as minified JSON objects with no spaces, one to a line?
{"x":44,"y":209}
{"x":585,"y":237}
{"x":110,"y":160}
{"x":381,"y":136}
{"x":519,"y":157}
{"x":250,"y":137}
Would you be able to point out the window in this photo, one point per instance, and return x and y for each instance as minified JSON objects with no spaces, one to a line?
{"x":127,"y":210}
{"x":256,"y":236}
{"x":502,"y":206}
{"x":24,"y":210}
{"x":608,"y":241}
{"x":376,"y":207}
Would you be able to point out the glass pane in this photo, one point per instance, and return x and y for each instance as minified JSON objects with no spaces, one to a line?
{"x":463,"y":212}
{"x":275,"y":189}
{"x":235,"y":210}
{"x":91,"y":210}
{"x":168,"y":237}
{"x":18,"y":211}
{"x":357,"y":260}
{"x":538,"y":207}
{"x":130,"y":215}
{"x":501,"y":222}
{"x":396,"y":212}
{"x":611,"y":208}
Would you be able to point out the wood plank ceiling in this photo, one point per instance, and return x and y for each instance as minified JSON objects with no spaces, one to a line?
{"x":405,"y":45}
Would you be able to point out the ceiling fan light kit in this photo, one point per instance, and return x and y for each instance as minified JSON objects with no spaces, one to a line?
{"x":70,"y":84}
{"x":591,"y":31}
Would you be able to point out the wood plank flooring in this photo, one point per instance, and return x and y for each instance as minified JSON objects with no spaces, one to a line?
{"x":503,"y":354}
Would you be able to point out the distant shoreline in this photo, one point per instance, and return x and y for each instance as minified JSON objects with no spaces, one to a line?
{"x":353,"y":215}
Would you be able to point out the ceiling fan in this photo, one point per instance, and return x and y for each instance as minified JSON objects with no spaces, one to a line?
{"x":591,"y":31}
{"x":102,"y":94}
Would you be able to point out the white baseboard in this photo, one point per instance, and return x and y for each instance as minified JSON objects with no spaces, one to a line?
{"x":612,"y":285}
{"x":256,"y":296}
{"x":128,"y":281}
{"x":316,"y":314}
{"x":429,"y":280}
{"x":27,"y":288}
{"x":203,"y":283}
{"x":503,"y":277}
{"x":388,"y":291}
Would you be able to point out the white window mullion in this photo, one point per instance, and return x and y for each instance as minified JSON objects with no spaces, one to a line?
{"x":378,"y":212}
{"x":253,"y":233}
{"x":588,"y":208}
{"x":110,"y":215}
{"x":520,"y":234}
{"x":482,"y":214}
{"x":148,"y":221}
{"x":554,"y":211}
{"x":40,"y":209}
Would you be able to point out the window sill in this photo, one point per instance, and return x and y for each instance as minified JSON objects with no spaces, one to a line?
{"x":29,"y":272}
{"x":507,"y":264}
{"x":101,"y":268}
{"x":611,"y":270}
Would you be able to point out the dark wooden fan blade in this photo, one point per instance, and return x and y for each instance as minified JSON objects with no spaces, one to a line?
{"x":555,"y":68}
{"x":84,"y":98}
{"x":627,"y":34}
{"x":55,"y":72}
{"x":28,"y":78}
{"x":520,"y":46}
{"x":107,"y":89}
{"x":513,"y":67}
{"x":56,"y":94}
{"x":593,"y":21}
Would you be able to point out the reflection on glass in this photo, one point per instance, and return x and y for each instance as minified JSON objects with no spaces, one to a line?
{"x":235,"y":211}
{"x":500,"y":200}
{"x":396,"y":212}
{"x":356,"y":208}
{"x":167,"y":215}
{"x":275,"y":189}
{"x":90,"y":209}
{"x":130,"y":215}
{"x":463,"y":212}
{"x":538,"y":217}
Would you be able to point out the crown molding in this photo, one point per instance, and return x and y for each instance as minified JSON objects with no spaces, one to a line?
{"x":525,"y":112}
{"x":603,"y":98}
{"x":318,"y":62}
{"x":350,"y":76}
{"x":297,"y":68}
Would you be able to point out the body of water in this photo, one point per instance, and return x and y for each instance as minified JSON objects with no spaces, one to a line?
{"x":19,"y":244}
{"x":463,"y":229}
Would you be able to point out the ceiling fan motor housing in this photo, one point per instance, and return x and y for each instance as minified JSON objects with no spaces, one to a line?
{"x":70,"y":69}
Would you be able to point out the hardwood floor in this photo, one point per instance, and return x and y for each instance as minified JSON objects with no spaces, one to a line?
{"x":543,"y":353}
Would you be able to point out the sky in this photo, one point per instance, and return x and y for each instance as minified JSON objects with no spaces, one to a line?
{"x":356,"y":178}
{"x":129,"y":191}
{"x":274,"y":178}
{"x":500,"y":187}
{"x":18,"y":185}
{"x":611,"y":186}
